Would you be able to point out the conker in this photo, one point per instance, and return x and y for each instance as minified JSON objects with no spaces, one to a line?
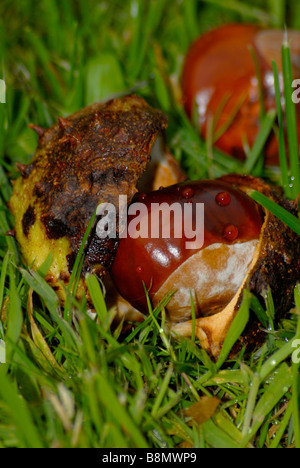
{"x":244,"y":248}
{"x":212,"y":272}
{"x":219,"y":78}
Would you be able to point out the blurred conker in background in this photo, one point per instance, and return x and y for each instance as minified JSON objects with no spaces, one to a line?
{"x":220,"y":80}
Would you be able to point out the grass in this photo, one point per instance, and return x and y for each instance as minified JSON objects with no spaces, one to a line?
{"x":68,"y":381}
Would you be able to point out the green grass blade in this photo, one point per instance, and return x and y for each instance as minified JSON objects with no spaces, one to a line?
{"x":291,"y":119}
{"x":15,"y":316}
{"x":49,"y":297}
{"x":244,"y":9}
{"x":4,"y":268}
{"x":277,"y":9}
{"x":216,"y":437}
{"x":282,"y":428}
{"x":296,"y":382}
{"x":285,"y":216}
{"x":236,"y":329}
{"x":110,"y":401}
{"x":264,"y":132}
{"x":278,"y":387}
{"x":150,"y":15}
{"x":97,"y":297}
{"x":76,"y":272}
{"x":104,"y":78}
{"x":26,"y":428}
{"x":41,"y":287}
{"x":281,"y":137}
{"x":42,"y":53}
{"x":190,"y":18}
{"x":162,"y":391}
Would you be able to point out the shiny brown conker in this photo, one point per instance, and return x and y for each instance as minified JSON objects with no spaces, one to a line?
{"x":231,"y":230}
{"x":220,"y":80}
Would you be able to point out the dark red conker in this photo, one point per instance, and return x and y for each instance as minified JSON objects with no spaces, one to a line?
{"x":219,"y":78}
{"x":230,"y":216}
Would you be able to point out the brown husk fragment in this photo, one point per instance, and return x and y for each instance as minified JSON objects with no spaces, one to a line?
{"x":90,"y":157}
{"x":276,"y":265}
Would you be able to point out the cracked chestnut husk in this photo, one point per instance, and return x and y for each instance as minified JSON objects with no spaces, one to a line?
{"x":85,"y":159}
{"x":244,"y":247}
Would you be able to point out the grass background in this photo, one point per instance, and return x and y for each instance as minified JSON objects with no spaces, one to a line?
{"x":70,"y":382}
